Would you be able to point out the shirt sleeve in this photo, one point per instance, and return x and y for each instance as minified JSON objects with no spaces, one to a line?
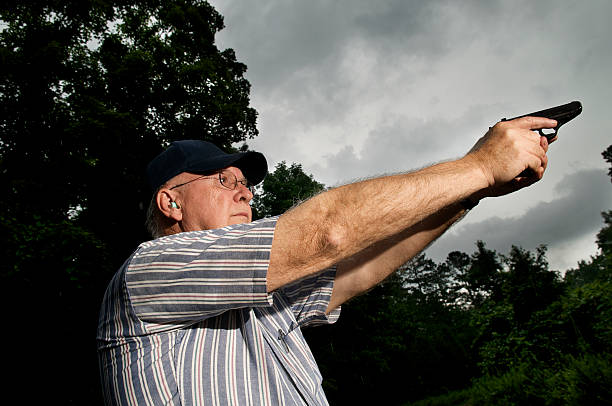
{"x":309,"y":298}
{"x":196,"y":275}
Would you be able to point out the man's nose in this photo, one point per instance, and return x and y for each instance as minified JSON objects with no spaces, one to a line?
{"x":244,"y":193}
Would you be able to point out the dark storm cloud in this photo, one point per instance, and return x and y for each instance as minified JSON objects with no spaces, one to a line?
{"x":301,"y":55}
{"x":404,"y":144}
{"x":355,"y":88}
{"x":291,"y":46}
{"x":279,"y":39}
{"x":574,"y":214}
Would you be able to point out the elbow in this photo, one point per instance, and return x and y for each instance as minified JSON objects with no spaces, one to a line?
{"x":336,"y":236}
{"x":329,"y":242}
{"x":335,"y":239}
{"x":322,"y":235}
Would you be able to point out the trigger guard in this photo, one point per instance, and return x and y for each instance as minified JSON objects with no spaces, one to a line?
{"x":549,"y":136}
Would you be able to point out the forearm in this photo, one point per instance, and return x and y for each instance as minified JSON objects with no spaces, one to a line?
{"x":345,"y":221}
{"x":363,"y":271}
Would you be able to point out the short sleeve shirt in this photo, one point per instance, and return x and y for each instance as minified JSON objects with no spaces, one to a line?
{"x":187,"y":320}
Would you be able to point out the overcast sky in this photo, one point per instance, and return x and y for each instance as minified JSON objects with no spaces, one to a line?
{"x":357,"y":88}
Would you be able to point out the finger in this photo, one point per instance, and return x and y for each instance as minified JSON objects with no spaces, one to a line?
{"x":535,"y":164}
{"x":533,"y":137}
{"x":544,"y":143}
{"x":533,"y":173}
{"x":535,"y":144}
{"x":537,"y":158}
{"x":542,"y":168}
{"x":544,"y":163}
{"x":534,"y":123}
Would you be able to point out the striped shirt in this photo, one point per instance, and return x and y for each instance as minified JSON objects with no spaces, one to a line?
{"x":187,"y":320}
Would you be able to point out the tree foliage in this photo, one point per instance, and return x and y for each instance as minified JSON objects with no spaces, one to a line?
{"x":283,"y":189}
{"x":90,"y":91}
{"x":607,"y":154}
{"x":479,"y":329}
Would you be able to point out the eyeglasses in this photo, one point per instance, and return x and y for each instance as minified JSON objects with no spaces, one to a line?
{"x":226,"y":178}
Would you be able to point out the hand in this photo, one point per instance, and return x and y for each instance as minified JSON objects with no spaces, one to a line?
{"x":508,"y":149}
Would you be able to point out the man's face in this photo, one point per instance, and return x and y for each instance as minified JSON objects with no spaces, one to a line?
{"x":206,"y":204}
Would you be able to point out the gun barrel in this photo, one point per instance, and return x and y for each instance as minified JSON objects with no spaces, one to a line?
{"x":562,"y":114}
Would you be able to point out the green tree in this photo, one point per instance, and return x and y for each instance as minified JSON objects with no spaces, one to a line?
{"x":604,"y":242}
{"x":283,"y":189}
{"x":599,"y":267}
{"x":607,"y":154}
{"x":90,"y":91}
{"x":529,"y":285}
{"x":402,"y":340}
{"x":425,"y":279}
{"x":471,"y":280}
{"x":505,"y":336}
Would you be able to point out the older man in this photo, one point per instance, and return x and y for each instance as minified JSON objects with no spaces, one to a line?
{"x":210,"y":312}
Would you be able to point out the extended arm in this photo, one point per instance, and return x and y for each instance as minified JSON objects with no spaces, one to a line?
{"x":390,"y":219}
{"x":363,"y":271}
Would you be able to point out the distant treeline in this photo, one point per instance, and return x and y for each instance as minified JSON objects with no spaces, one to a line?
{"x":479,"y":329}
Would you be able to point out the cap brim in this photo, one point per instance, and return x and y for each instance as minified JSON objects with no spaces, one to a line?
{"x":253,"y":165}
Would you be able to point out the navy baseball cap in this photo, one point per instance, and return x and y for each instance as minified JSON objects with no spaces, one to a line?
{"x":200,"y":157}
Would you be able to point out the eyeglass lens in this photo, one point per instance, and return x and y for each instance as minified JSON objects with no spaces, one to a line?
{"x":229,"y":180}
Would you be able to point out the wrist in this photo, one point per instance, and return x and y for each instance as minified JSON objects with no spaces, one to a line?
{"x":478,"y":170}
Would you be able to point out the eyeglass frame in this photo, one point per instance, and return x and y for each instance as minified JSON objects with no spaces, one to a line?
{"x":244,"y":181}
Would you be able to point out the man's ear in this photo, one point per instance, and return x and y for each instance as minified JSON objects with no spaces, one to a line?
{"x":167,"y":204}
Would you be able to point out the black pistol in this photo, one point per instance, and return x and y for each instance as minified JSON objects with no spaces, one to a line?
{"x":562,"y":114}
